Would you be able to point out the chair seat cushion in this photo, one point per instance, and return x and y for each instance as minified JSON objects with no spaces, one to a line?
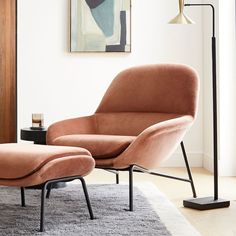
{"x":100,"y":146}
{"x":22,"y":160}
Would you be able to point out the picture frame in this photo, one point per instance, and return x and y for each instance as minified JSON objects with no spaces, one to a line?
{"x":100,"y":26}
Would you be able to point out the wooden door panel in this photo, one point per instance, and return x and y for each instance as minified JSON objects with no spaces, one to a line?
{"x":7,"y":71}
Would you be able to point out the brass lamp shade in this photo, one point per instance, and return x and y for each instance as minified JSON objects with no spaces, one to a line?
{"x":181,"y":18}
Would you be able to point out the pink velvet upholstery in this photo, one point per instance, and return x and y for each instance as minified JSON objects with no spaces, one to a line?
{"x":153,"y":88}
{"x":27,"y":165}
{"x":152,"y":105}
{"x":100,"y":146}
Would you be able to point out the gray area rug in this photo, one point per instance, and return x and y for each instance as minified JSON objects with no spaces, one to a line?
{"x":67,"y":213}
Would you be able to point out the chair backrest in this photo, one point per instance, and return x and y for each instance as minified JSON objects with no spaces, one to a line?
{"x":151,"y":90}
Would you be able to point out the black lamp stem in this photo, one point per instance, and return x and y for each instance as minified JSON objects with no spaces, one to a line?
{"x":214,"y":93}
{"x":215,"y":128}
{"x":209,"y":202}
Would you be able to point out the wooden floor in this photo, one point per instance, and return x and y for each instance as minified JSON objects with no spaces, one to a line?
{"x":219,"y":222}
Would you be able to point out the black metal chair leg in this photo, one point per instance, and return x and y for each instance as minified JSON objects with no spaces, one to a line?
{"x":131,"y":200}
{"x":188,"y":169}
{"x":49,"y":190}
{"x":116,"y":172}
{"x":87,"y":198}
{"x":117,"y":178}
{"x":42,"y":207}
{"x":22,"y":191}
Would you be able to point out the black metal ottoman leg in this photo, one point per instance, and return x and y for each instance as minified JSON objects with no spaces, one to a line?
{"x":117,"y":177}
{"x":49,"y":190}
{"x":22,"y":191}
{"x":87,"y":198}
{"x":131,"y":200}
{"x":42,"y":207}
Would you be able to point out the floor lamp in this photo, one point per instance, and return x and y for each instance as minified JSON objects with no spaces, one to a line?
{"x":206,"y":203}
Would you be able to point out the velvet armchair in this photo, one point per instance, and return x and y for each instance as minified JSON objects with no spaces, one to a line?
{"x":139,"y":123}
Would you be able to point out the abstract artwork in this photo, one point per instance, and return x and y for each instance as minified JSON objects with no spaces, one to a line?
{"x":100,"y":26}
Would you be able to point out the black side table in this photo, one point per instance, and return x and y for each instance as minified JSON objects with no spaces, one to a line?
{"x":37,"y":136}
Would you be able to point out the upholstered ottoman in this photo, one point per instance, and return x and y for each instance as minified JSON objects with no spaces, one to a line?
{"x":23,"y":165}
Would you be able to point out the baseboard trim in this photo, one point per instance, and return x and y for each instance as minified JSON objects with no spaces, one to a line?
{"x":176,"y":160}
{"x":224,"y":169}
{"x":208,"y":163}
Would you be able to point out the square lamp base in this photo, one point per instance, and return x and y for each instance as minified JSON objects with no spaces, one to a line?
{"x":206,"y":203}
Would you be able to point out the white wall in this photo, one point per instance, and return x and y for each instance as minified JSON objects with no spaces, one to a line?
{"x":227,"y":82}
{"x":62,"y":85}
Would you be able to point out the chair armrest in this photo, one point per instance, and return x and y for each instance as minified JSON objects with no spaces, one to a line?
{"x":81,"y":125}
{"x":155,"y":144}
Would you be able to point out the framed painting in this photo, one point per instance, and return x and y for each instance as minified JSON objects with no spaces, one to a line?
{"x":100,"y":25}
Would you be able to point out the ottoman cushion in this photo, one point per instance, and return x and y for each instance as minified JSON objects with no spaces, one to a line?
{"x":33,"y":164}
